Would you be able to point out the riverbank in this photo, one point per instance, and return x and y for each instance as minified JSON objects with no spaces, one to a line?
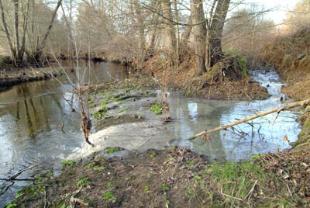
{"x":171,"y":178}
{"x":227,"y":80}
{"x":175,"y":177}
{"x":9,"y":78}
{"x":290,"y":56}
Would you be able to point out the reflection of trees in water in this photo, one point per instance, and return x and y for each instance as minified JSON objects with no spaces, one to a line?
{"x":32,"y":113}
{"x":208,"y":115}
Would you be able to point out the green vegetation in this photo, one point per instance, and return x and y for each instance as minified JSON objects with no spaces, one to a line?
{"x":109,"y":196}
{"x":111,"y":150}
{"x":96,"y":166}
{"x":11,"y":205}
{"x":157,"y":108}
{"x":68,"y":163}
{"x":100,"y":114}
{"x":83,"y":182}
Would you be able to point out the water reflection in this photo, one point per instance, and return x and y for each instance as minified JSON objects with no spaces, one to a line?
{"x":31,"y":116}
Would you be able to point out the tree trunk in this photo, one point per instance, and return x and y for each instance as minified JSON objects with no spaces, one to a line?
{"x":6,"y":30}
{"x":41,"y":46}
{"x":215,"y":53}
{"x":19,"y":56}
{"x":169,"y":29}
{"x":187,"y":32}
{"x":199,"y":32}
{"x":141,"y":38}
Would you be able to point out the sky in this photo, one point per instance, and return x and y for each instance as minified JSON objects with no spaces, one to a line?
{"x":280,"y":8}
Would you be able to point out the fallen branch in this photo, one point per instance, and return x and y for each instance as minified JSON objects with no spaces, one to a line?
{"x":252,"y":117}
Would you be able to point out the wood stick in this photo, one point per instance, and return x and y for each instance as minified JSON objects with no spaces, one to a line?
{"x":252,"y":117}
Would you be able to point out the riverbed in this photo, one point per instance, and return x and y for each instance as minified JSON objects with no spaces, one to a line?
{"x":38,"y":127}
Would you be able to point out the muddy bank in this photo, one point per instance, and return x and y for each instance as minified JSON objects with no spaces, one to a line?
{"x":17,"y":76}
{"x":170,"y":178}
{"x":228,"y":79}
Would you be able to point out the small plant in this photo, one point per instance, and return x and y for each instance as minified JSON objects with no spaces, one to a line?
{"x":146,"y":189}
{"x":95,"y":166}
{"x":165,"y":187}
{"x":68,"y":163}
{"x":157,"y":108}
{"x":111,"y":150}
{"x":83,"y":182}
{"x":108,"y":196}
{"x":11,"y":205}
{"x":101,"y":112}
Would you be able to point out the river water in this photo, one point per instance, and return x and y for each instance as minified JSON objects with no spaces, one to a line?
{"x":32,"y":116}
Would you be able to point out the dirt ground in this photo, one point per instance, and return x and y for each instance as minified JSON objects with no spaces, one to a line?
{"x":172,"y":178}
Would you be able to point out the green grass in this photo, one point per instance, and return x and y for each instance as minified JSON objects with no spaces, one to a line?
{"x":237,"y":179}
{"x":157,"y":108}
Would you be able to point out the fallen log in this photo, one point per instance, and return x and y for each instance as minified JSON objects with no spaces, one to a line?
{"x":252,"y":117}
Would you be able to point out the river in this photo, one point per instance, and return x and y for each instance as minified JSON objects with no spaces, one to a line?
{"x":32,"y":116}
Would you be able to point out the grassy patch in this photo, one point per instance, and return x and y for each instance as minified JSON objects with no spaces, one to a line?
{"x":68,"y":163}
{"x":111,"y":150}
{"x":109,"y":196}
{"x":236,"y":179}
{"x":157,"y":108}
{"x":83,"y":182}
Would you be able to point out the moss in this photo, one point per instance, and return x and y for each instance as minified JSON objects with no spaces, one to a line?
{"x":157,"y":108}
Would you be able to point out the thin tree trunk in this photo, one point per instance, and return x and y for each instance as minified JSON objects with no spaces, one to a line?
{"x":16,"y":24}
{"x":215,"y":52}
{"x":169,"y":28}
{"x":7,"y":33}
{"x":186,"y":34}
{"x":199,"y":32}
{"x":25,"y":28}
{"x":43,"y":42}
{"x":141,"y":39}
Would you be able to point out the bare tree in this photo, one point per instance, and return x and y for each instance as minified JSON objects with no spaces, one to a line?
{"x":199,"y":32}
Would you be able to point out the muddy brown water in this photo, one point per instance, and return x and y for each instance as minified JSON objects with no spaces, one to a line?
{"x":32,"y":116}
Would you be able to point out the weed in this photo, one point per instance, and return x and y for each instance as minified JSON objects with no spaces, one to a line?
{"x":111,"y":150}
{"x":95,"y":166}
{"x":83,"y":182}
{"x":109,"y":196}
{"x":165,"y":187}
{"x":146,"y":189}
{"x":11,"y":205}
{"x":157,"y":108}
{"x":68,"y":163}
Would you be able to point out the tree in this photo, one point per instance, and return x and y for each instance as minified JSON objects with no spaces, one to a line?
{"x":16,"y":16}
{"x":199,"y":32}
{"x":169,"y":29}
{"x":215,"y":32}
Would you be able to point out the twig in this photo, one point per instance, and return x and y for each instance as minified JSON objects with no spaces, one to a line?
{"x":233,"y":197}
{"x":251,"y":190}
